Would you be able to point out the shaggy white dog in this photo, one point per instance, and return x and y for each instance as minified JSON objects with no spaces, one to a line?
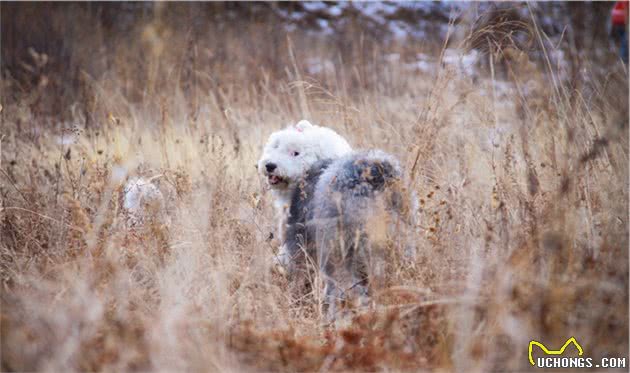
{"x":341,"y":209}
{"x":293,"y":150}
{"x":287,"y":156}
{"x":143,"y":201}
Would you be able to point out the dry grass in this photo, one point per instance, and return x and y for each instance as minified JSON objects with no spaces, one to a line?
{"x":523,"y":186}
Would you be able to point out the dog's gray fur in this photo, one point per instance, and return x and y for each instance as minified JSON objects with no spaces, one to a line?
{"x":330,"y":220}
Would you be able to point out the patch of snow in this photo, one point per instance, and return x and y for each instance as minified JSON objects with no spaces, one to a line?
{"x":421,"y":65}
{"x":314,"y":5}
{"x":67,"y":139}
{"x":336,"y":10}
{"x":504,"y":89}
{"x":399,"y":29}
{"x":118,"y":174}
{"x":392,"y":57}
{"x":296,"y":16}
{"x":316,"y":66}
{"x":325,"y":26}
{"x":463,"y":62}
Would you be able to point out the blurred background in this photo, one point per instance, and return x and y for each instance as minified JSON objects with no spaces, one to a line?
{"x":510,"y":119}
{"x":202,"y":46}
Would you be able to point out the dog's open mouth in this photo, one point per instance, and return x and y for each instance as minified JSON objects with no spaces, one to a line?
{"x":275,"y":180}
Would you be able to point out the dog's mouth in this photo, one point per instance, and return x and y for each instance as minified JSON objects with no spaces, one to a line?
{"x":275,"y":180}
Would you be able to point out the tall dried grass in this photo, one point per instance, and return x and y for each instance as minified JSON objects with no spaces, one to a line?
{"x":522,"y":184}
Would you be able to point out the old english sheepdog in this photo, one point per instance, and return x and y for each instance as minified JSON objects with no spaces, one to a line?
{"x":345,"y":211}
{"x":287,"y":156}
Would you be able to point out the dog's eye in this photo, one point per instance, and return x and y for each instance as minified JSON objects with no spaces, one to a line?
{"x":295,"y":154}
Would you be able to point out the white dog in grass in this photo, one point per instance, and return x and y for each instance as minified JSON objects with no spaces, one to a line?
{"x":288,"y":154}
{"x":143,"y":202}
{"x":340,"y":209}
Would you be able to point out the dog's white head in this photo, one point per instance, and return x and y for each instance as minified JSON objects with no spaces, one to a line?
{"x":289,"y":153}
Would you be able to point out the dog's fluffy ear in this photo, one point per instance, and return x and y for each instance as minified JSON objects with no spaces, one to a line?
{"x":303,"y":125}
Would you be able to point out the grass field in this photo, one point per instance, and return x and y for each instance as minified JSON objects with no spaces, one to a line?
{"x":521,"y":167}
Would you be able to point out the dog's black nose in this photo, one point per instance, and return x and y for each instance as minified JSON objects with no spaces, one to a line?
{"x":270,"y":167}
